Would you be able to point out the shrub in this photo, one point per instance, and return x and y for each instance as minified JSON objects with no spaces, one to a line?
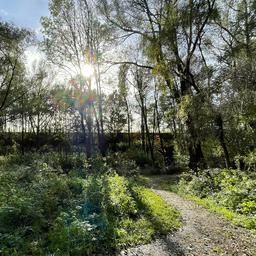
{"x":44,"y":211}
{"x":201,"y":185}
{"x":139,"y":156}
{"x":121,"y":164}
{"x":120,"y":199}
{"x":234,"y":190}
{"x":71,"y":235}
{"x":247,"y":162}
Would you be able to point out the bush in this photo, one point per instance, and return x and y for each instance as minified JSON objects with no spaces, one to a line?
{"x":139,"y":156}
{"x":71,"y":235}
{"x":234,"y":190}
{"x":121,"y":201}
{"x":247,"y":162}
{"x":32,"y":197}
{"x":121,"y":164}
{"x":44,"y":211}
{"x":201,"y":185}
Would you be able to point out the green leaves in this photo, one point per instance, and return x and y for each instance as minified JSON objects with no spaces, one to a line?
{"x":230,"y":192}
{"x":44,"y":211}
{"x":184,"y":107}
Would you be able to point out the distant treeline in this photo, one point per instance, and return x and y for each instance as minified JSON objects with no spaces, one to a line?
{"x":11,"y":142}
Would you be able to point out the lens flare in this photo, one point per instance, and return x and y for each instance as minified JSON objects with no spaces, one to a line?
{"x":87,"y":70}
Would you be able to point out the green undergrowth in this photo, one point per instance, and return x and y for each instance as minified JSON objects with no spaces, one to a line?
{"x":231,"y":193}
{"x":47,"y":211}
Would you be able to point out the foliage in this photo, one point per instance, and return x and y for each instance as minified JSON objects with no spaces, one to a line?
{"x":171,"y":80}
{"x":139,"y":156}
{"x":247,"y":162}
{"x":115,"y":118}
{"x":230,"y":192}
{"x":160,"y":214}
{"x":12,"y":44}
{"x":44,"y":210}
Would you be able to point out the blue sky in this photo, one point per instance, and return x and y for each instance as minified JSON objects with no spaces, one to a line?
{"x":24,"y":13}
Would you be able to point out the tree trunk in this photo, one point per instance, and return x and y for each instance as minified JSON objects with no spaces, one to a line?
{"x":142,"y":132}
{"x":145,"y":128}
{"x":102,"y":139}
{"x":84,"y":138}
{"x":22,"y":133}
{"x":219,"y":123}
{"x":196,"y":157}
{"x":89,"y":124}
{"x":150,"y":147}
{"x":128,"y":123}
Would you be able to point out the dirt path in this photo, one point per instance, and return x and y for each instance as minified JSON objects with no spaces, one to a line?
{"x":203,"y":233}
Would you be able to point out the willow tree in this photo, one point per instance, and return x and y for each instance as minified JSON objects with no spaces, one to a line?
{"x":172,"y":33}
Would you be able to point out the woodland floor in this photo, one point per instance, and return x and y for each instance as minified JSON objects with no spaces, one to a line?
{"x":203,"y":232}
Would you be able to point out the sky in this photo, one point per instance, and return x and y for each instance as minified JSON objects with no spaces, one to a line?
{"x":24,"y":13}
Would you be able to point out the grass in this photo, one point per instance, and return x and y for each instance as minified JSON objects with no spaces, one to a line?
{"x":235,"y":218}
{"x":163,"y":217}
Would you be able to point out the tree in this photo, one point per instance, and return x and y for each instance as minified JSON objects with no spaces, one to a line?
{"x":115,"y":117}
{"x":12,"y":43}
{"x":74,"y":39}
{"x":237,"y":76}
{"x":123,"y":91}
{"x":40,"y":105}
{"x":172,"y":33}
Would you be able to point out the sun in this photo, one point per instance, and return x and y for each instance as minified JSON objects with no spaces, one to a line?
{"x":87,"y":70}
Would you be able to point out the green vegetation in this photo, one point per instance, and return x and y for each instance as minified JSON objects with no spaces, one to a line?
{"x":231,"y":193}
{"x":238,"y":219}
{"x":44,"y":210}
{"x":163,"y":219}
{"x":123,"y":88}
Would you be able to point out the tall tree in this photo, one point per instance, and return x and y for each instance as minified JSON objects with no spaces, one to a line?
{"x":172,"y":32}
{"x":73,"y":40}
{"x":13,"y":41}
{"x":238,"y":75}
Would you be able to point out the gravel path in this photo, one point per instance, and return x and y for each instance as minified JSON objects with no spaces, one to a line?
{"x":203,"y":233}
